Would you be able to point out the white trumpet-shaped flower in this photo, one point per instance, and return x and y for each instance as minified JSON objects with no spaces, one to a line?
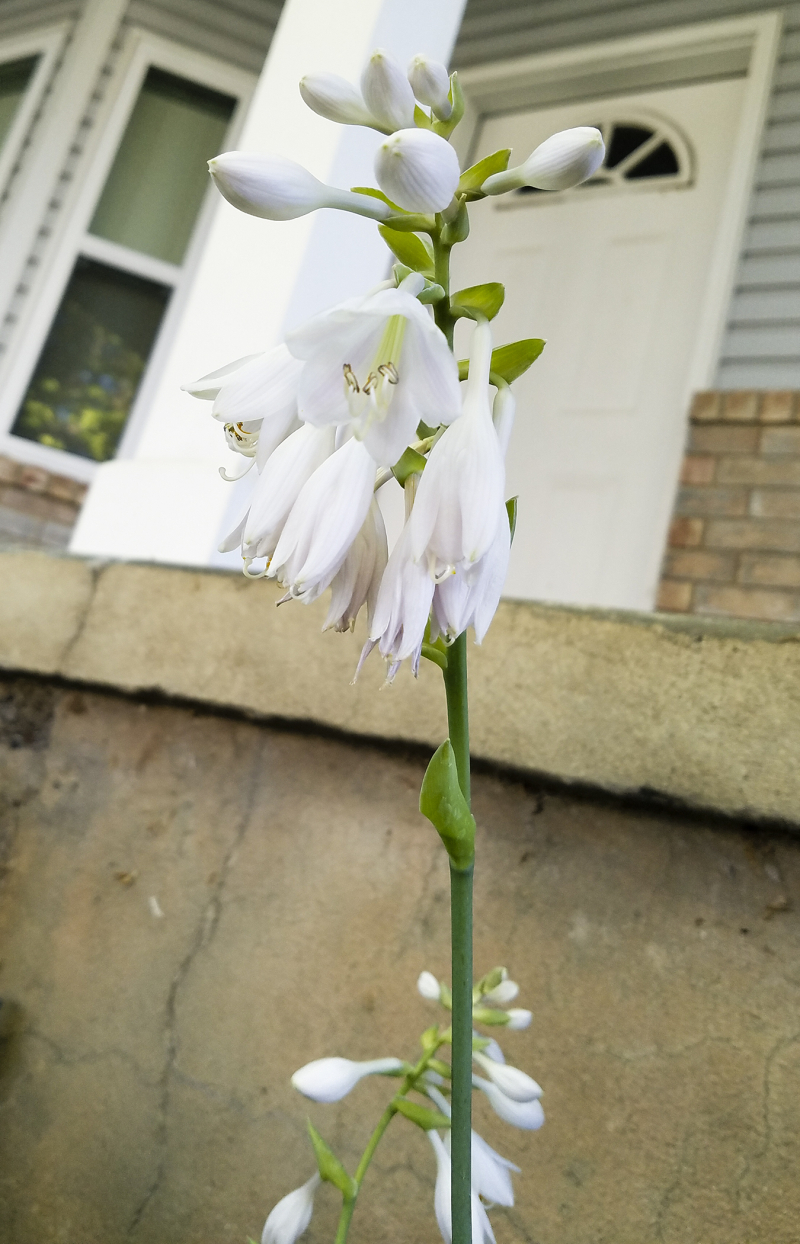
{"x":502,"y":994}
{"x":331,"y":1079}
{"x":275,"y":188}
{"x":324,"y":521}
{"x":387,"y":93}
{"x":402,"y":608}
{"x":470,"y":597}
{"x":527,"y":1115}
{"x":491,"y":1173}
{"x":291,"y":1216}
{"x":481,"y":1227}
{"x":460,"y":497}
{"x":519,"y":1018}
{"x":511,"y":1081}
{"x":336,"y":99}
{"x":493,"y":1050}
{"x":503,"y":411}
{"x":561,"y":161}
{"x":430,"y":83}
{"x":357,"y":582}
{"x":428,"y":986}
{"x":418,"y":170}
{"x":379,"y":363}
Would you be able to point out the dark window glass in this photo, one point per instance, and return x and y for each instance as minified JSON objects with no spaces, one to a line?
{"x":624,"y":140}
{"x":659,"y":163}
{"x":14,"y":78}
{"x":159,"y":176}
{"x":87,"y":375}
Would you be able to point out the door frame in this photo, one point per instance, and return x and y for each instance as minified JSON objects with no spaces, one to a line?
{"x":737,"y":47}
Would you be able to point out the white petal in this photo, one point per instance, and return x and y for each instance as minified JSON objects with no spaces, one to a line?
{"x":289,"y":468}
{"x":403,"y":605}
{"x":291,"y":1216}
{"x":518,"y":1019}
{"x":418,"y":170}
{"x":527,"y":1115}
{"x":502,"y":994}
{"x":503,"y":411}
{"x":430,"y":83}
{"x":263,"y":387}
{"x":387,"y":92}
{"x":358,"y":580}
{"x":331,"y":1079}
{"x":428,"y":986}
{"x":334,"y":98}
{"x":514,"y":1083}
{"x":206,"y":387}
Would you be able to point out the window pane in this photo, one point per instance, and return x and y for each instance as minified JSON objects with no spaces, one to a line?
{"x":89,"y":370}
{"x":14,"y":79}
{"x":159,"y":177}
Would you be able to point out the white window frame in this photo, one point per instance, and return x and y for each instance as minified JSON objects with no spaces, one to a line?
{"x":141,"y":52}
{"x":46,"y":43}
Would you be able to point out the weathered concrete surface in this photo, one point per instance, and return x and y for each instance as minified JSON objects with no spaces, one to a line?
{"x":144,"y":1089}
{"x":700,"y":710}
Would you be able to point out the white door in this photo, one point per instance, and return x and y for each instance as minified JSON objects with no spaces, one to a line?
{"x":613,"y":275}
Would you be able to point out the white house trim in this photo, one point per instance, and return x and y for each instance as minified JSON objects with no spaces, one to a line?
{"x":47,"y":44}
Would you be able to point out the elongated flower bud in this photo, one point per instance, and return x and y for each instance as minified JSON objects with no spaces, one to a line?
{"x":502,"y":994}
{"x":510,"y":1080}
{"x":518,"y":1018}
{"x":335,"y":99}
{"x":526,"y":1115}
{"x":387,"y":92}
{"x":418,"y":170}
{"x":331,"y":1079}
{"x":428,"y":986}
{"x":491,"y":1177}
{"x":563,"y":160}
{"x":430,"y":83}
{"x":291,"y":1216}
{"x":278,"y":189}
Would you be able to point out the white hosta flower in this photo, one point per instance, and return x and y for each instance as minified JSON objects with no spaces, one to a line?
{"x":511,"y":1081}
{"x":284,"y":476}
{"x":503,"y":411}
{"x":291,"y":1216}
{"x":278,"y":189}
{"x":324,"y":521}
{"x":336,"y":99}
{"x":331,"y":1079}
{"x":519,"y":1018}
{"x":387,"y":93}
{"x":402,"y":609}
{"x":428,"y":986}
{"x":418,"y":170}
{"x":492,"y":1050}
{"x":470,"y":597}
{"x":358,"y":580}
{"x":561,"y":161}
{"x":502,"y":994}
{"x":527,"y":1115}
{"x":380,"y":363}
{"x":460,"y":497}
{"x":481,"y":1227}
{"x":491,"y":1176}
{"x":430,"y":83}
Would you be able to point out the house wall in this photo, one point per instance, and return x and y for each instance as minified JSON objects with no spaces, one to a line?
{"x":238,"y":31}
{"x":761,"y":349}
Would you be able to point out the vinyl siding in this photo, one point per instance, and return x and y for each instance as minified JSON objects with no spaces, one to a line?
{"x":761,"y":349}
{"x":238,"y":31}
{"x":19,"y":16}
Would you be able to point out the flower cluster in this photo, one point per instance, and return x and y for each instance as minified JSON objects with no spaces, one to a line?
{"x":370,"y":391}
{"x":512,"y":1094}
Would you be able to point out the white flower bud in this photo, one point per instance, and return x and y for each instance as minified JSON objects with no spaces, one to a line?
{"x":527,"y":1115}
{"x":387,"y":92}
{"x":430,"y":82}
{"x":278,"y":189}
{"x":503,"y":411}
{"x":291,"y":1216}
{"x":511,"y":1081}
{"x":335,"y":99}
{"x":563,"y":160}
{"x":493,"y":1051}
{"x":502,"y":994}
{"x":428,"y":986}
{"x":331,"y":1079}
{"x":519,"y":1019}
{"x":418,"y":170}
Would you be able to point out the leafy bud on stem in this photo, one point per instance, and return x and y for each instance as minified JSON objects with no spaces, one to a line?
{"x":417,"y":170}
{"x":563,"y":160}
{"x":430,"y":83}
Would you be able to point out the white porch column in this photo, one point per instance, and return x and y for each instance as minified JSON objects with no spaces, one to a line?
{"x":255,"y":278}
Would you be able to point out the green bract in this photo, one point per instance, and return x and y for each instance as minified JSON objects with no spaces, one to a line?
{"x":409,"y":249}
{"x":511,"y":510}
{"x":411,"y":463}
{"x":329,"y":1166}
{"x":511,"y":361}
{"x":423,"y":1116}
{"x":486,"y":299}
{"x":442,"y":801}
{"x":473,"y":178}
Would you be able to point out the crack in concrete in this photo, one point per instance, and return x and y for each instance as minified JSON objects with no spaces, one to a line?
{"x":203,"y":936}
{"x":783,"y":1043}
{"x":671,"y":1190}
{"x":64,"y":1059}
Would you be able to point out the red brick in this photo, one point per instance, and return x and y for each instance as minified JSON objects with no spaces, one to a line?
{"x":775,"y":503}
{"x":685,"y":532}
{"x":731,"y":502}
{"x":700,"y":564}
{"x":705,"y":407}
{"x":769,"y":570}
{"x":674,"y":597}
{"x":780,"y":441}
{"x":720,"y":438}
{"x":770,"y":535}
{"x":777,"y":406}
{"x":745,"y":470}
{"x":741,"y":602}
{"x":698,"y":469}
{"x":740,"y":406}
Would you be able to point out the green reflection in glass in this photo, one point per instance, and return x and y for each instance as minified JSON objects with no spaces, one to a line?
{"x":14,"y":78}
{"x":159,"y":177}
{"x":84,"y":384}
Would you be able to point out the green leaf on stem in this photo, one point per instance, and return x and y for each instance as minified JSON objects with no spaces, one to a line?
{"x":437,"y":1065}
{"x":434,"y":654}
{"x":486,"y":299}
{"x":442,"y":801}
{"x":409,"y":463}
{"x":511,"y":361}
{"x":457,"y":229}
{"x":430,"y":1039}
{"x":431,"y":293}
{"x":445,"y":996}
{"x":409,"y":249}
{"x":423,"y":1116}
{"x":473,"y":178}
{"x":511,"y":511}
{"x":374,"y":193}
{"x":456,"y":97}
{"x":329,"y":1166}
{"x":421,"y":118}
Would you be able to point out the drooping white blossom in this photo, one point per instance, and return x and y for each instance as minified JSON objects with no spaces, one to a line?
{"x":275,"y":188}
{"x":324,"y":521}
{"x":379,"y":363}
{"x":402,"y":608}
{"x":481,"y":1227}
{"x":430,"y":83}
{"x":357,"y":582}
{"x":561,"y":161}
{"x":428,"y":986}
{"x":527,"y":1115}
{"x":460,"y":497}
{"x":334,"y":98}
{"x":469,"y":597}
{"x":331,"y":1079}
{"x":511,"y":1081}
{"x":503,"y":411}
{"x":493,"y":1050}
{"x":387,"y":93}
{"x":291,"y":1216}
{"x":491,"y":1173}
{"x":418,"y":170}
{"x":519,"y":1018}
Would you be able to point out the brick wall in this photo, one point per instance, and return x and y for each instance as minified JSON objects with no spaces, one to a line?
{"x":734,"y":542}
{"x":37,"y":509}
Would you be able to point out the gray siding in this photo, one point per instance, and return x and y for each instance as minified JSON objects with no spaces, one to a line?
{"x":18,"y":16}
{"x":238,"y":31}
{"x":762,"y":343}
